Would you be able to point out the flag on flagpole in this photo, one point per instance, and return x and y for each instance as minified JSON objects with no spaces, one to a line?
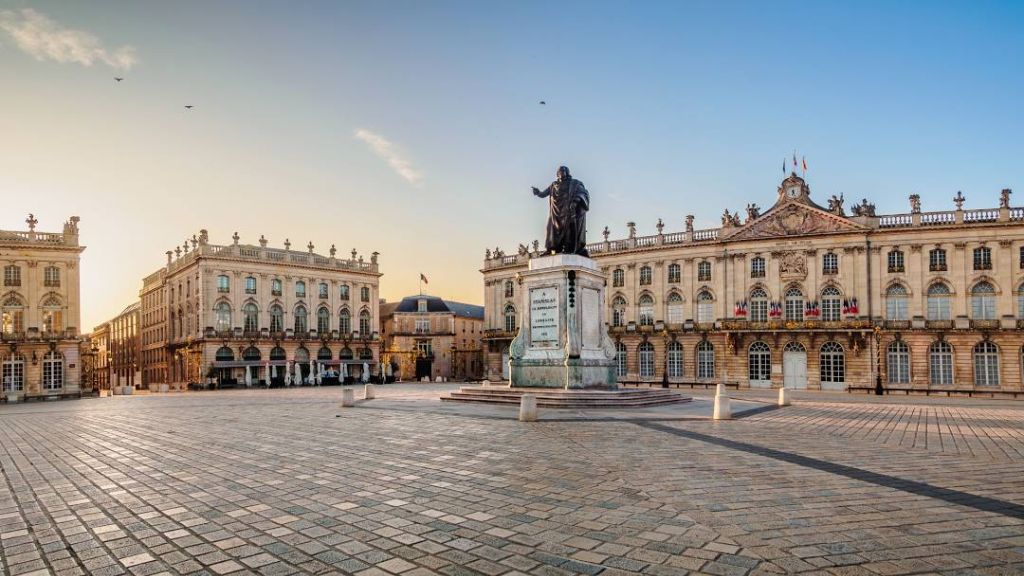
{"x":783,"y":165}
{"x":804,"y":160}
{"x":794,"y":161}
{"x":423,"y":278}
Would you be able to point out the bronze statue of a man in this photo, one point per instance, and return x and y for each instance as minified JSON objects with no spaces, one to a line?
{"x":568,"y":202}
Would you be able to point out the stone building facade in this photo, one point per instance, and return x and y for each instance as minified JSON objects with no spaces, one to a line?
{"x":40,"y":305}
{"x":806,"y":296}
{"x":428,"y":337}
{"x":116,"y":344}
{"x":216,"y":312}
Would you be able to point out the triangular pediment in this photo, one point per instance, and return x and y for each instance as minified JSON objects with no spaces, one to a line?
{"x":794,"y":218}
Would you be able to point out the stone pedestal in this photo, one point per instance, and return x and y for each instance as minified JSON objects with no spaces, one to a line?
{"x":369,"y":392}
{"x":348,"y":397}
{"x":528,"y":408}
{"x":562,"y":340}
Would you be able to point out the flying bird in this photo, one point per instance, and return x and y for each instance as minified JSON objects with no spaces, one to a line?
{"x":188,"y":106}
{"x":118,"y":79}
{"x":543,"y":103}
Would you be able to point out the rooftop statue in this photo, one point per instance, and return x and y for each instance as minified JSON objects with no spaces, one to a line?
{"x":568,"y":202}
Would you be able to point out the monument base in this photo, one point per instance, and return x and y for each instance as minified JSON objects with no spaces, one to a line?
{"x":562,"y":342}
{"x":572,"y":399}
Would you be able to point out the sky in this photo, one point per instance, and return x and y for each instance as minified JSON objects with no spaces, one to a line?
{"x":415,"y":129}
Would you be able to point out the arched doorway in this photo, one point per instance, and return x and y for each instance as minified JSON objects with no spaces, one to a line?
{"x":794,"y":366}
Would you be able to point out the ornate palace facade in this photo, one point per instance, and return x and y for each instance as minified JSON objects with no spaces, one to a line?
{"x":806,"y":296}
{"x":217,"y":312}
{"x":40,"y":303}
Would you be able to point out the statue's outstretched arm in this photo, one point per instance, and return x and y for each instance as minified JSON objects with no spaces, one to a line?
{"x":542,"y":193}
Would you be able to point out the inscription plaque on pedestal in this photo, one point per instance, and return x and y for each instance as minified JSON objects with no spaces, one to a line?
{"x":544,"y":316}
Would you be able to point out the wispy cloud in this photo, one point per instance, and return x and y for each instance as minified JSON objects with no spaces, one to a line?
{"x":42,"y":38}
{"x":383,"y":147}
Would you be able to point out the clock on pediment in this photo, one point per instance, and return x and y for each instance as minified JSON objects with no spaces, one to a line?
{"x":793,"y":192}
{"x":793,"y":188}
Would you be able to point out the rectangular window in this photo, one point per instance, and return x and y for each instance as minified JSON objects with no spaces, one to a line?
{"x":704,"y":272}
{"x":12,"y":276}
{"x":759,"y":310}
{"x":937,"y":260}
{"x":830,"y":263}
{"x":323,"y":291}
{"x":982,"y":259}
{"x":223,"y":285}
{"x":757,"y":267}
{"x":250,"y":285}
{"x":705,"y":312}
{"x":423,"y":325}
{"x":830,"y":309}
{"x":275,"y":288}
{"x":705,"y":362}
{"x":424,"y":348}
{"x":896,"y":261}
{"x":51,"y":277}
{"x":674,"y":274}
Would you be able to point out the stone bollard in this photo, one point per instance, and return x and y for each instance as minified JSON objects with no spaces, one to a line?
{"x":348,"y":398}
{"x":723,"y":408}
{"x":783,"y":397}
{"x":528,"y":408}
{"x":370,"y":392}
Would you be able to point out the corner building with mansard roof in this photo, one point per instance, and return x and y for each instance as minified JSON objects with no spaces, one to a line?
{"x":215,"y":312}
{"x":806,"y":296}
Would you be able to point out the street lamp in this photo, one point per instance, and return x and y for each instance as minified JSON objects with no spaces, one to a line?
{"x":878,"y":361}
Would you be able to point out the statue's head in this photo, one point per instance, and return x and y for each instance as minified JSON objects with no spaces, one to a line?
{"x":563,"y":173}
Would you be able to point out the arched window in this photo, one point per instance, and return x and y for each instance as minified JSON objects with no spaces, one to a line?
{"x":52,"y":315}
{"x":705,"y":360}
{"x":704,"y":271}
{"x":324,"y":353}
{"x":510,"y":318}
{"x":645,"y":309}
{"x":759,"y":362}
{"x":645,"y":354}
{"x":705,"y":307}
{"x":251,"y":315}
{"x":323,"y":292}
{"x":620,"y":359}
{"x":938,"y":302}
{"x":757,"y":267}
{"x":896,"y":303}
{"x":674,"y":273}
{"x":277,"y":353}
{"x":345,"y":354}
{"x":619,"y":311}
{"x":983,"y":301}
{"x":224,"y":354}
{"x":898,"y":363}
{"x":345,"y":322}
{"x":364,"y":323}
{"x":675,"y":359}
{"x":344,"y":292}
{"x":53,"y":370}
{"x":831,"y":304}
{"x":223,"y":316}
{"x":276,"y":318}
{"x":829,"y":263}
{"x":250,"y":285}
{"x":14,"y":373}
{"x":13,"y":315}
{"x":323,"y":320}
{"x":364,"y":294}
{"x":674,"y":308}
{"x":251,"y":354}
{"x":300,"y":289}
{"x":940,"y":363}
{"x":618,"y":278}
{"x":758,"y":305}
{"x":645,"y":276}
{"x":794,"y":310}
{"x":986,"y":364}
{"x":301,"y":325}
{"x":510,"y":289}
{"x":301,"y":354}
{"x":833,"y":363}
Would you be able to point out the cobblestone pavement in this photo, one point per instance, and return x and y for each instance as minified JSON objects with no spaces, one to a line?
{"x":286,"y":482}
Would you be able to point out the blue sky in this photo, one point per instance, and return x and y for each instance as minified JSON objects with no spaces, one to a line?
{"x":661,"y":109}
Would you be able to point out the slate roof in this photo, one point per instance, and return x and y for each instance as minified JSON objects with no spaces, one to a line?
{"x":434,"y":304}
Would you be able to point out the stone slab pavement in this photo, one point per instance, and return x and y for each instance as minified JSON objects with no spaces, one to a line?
{"x":287,"y":482}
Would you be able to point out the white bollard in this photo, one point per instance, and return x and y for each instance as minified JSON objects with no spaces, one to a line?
{"x":783,"y":397}
{"x":723,"y":408}
{"x":370,"y":392}
{"x":348,"y":398}
{"x":528,"y":408}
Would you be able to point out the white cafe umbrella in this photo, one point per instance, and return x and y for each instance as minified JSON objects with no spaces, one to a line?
{"x":287,"y":375}
{"x":248,"y":376}
{"x":366,"y":372}
{"x":266,"y":372}
{"x":319,"y":373}
{"x":311,"y":378}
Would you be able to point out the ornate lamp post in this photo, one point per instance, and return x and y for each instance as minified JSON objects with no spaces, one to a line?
{"x":878,"y":361}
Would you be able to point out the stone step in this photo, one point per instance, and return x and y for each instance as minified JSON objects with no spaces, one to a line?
{"x":559,"y":393}
{"x":549,"y":398}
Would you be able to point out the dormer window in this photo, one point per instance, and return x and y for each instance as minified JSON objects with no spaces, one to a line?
{"x":421,"y":306}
